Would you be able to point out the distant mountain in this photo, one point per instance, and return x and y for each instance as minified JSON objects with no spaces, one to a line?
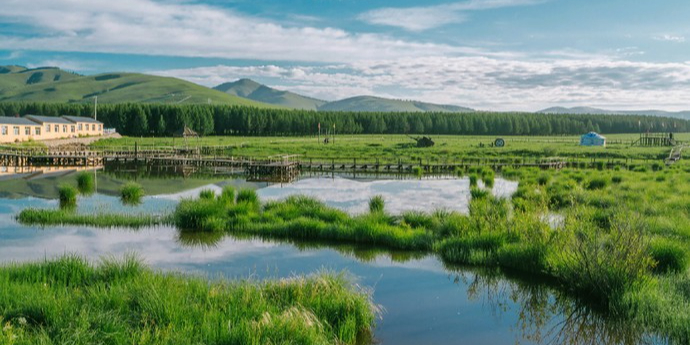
{"x":378,"y":104}
{"x":589,"y":110}
{"x":250,"y":89}
{"x":13,"y":77}
{"x":109,"y":87}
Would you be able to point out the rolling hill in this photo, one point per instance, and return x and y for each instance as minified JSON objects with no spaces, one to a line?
{"x":113,"y":88}
{"x":250,"y":89}
{"x":370,"y":103}
{"x":14,"y":77}
{"x":589,"y":110}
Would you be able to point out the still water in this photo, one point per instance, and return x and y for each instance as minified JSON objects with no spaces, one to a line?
{"x":425,"y":301}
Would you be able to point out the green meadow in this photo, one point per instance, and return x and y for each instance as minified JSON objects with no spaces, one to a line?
{"x":71,"y":301}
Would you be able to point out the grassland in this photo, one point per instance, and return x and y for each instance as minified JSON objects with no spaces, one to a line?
{"x":70,"y":301}
{"x":391,"y":148}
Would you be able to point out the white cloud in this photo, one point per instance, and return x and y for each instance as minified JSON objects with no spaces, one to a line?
{"x":670,"y":38}
{"x":193,"y":30}
{"x":479,"y":82}
{"x":428,"y":17}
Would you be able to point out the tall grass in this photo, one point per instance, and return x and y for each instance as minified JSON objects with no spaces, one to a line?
{"x":67,"y":217}
{"x":376,"y":204}
{"x":131,"y":193}
{"x":86,"y":183}
{"x":70,"y":301}
{"x":67,"y":195}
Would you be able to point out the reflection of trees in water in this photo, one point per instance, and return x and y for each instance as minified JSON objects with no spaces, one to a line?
{"x":545,"y":315}
{"x":195,"y":239}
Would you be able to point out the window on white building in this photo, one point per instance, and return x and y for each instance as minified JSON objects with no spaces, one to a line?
{"x":27,"y":130}
{"x":64,"y":128}
{"x":38,"y":130}
{"x":4,"y":130}
{"x":72,"y":129}
{"x":80,"y":127}
{"x":47,"y":128}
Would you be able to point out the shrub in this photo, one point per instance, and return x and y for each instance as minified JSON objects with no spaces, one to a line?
{"x":67,"y":195}
{"x":617,"y":179}
{"x":597,"y":183}
{"x":417,"y":171}
{"x":131,"y":193}
{"x":376,"y":204}
{"x":669,"y":256}
{"x":85,"y":183}
{"x":656,"y":166}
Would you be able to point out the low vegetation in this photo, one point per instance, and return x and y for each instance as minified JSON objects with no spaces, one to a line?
{"x":63,"y":216}
{"x":70,"y":301}
{"x":67,"y":196}
{"x":86,"y":183}
{"x":131,"y":193}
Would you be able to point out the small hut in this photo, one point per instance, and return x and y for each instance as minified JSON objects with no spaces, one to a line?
{"x":592,"y":139}
{"x":185,"y":133}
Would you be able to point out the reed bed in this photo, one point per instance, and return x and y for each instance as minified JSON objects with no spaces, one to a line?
{"x":70,"y":301}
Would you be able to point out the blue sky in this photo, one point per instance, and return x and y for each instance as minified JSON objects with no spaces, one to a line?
{"x":486,"y":54}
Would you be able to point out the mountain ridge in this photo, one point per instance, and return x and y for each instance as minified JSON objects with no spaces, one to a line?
{"x":685,"y":114}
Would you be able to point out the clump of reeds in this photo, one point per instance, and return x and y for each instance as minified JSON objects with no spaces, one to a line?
{"x":417,"y":171}
{"x":86,"y":183}
{"x":376,"y":204}
{"x":473,"y":180}
{"x":597,"y":183}
{"x":247,"y":196}
{"x":66,"y":217}
{"x":131,"y":193}
{"x":67,"y":196}
{"x":207,"y":194}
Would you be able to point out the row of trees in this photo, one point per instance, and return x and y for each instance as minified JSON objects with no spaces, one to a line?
{"x":162,"y":120}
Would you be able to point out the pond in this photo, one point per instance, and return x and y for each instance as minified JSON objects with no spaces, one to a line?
{"x":425,"y":300}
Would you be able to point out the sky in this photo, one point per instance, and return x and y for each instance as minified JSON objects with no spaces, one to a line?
{"x":522,"y":55}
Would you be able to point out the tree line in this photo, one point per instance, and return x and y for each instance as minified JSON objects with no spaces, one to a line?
{"x":164,"y":120}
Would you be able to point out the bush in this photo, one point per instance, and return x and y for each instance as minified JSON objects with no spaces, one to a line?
{"x":67,"y":195}
{"x":669,"y":256}
{"x":376,"y":204}
{"x":656,"y":166}
{"x":597,"y":183}
{"x":131,"y":193}
{"x":617,"y":179}
{"x":85,"y":182}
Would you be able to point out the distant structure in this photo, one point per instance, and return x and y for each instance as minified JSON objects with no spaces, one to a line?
{"x":656,"y":139}
{"x":37,"y":127}
{"x":424,"y":141}
{"x":592,"y":139}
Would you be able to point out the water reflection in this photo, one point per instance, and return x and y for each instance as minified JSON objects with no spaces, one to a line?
{"x":400,"y":195}
{"x":545,"y":314}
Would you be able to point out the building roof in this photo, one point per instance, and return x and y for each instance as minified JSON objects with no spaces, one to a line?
{"x":185,"y":132}
{"x":49,"y":119}
{"x":82,"y":119}
{"x":593,"y":135}
{"x":7,"y":120}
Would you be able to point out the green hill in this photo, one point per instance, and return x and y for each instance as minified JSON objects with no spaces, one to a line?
{"x":15,"y":77}
{"x":378,"y":104}
{"x":123,"y":88}
{"x":250,"y":89}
